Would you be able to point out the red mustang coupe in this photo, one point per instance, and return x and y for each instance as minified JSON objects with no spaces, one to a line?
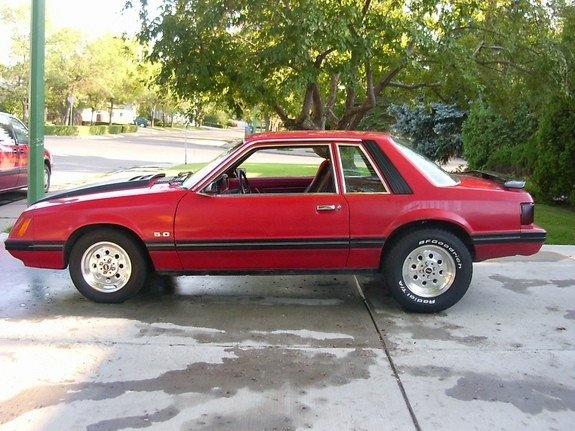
{"x":292,"y":202}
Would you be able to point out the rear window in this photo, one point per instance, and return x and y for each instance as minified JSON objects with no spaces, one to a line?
{"x":432,"y":171}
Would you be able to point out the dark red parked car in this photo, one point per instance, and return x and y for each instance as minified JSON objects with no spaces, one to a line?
{"x":14,"y":155}
{"x":292,"y":202}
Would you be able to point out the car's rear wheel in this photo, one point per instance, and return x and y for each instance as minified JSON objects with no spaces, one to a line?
{"x":107,"y":266}
{"x":428,"y":270}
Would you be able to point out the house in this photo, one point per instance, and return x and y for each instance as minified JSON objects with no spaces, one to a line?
{"x":122,"y":114}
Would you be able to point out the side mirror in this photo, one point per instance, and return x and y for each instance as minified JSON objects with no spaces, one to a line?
{"x":217,"y":186}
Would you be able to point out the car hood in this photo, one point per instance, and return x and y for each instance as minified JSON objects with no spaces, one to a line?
{"x":125,"y":185}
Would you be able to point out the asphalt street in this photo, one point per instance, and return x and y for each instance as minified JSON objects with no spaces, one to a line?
{"x":289,"y":352}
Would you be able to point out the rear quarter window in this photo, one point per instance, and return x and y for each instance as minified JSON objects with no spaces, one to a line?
{"x":429,"y":169}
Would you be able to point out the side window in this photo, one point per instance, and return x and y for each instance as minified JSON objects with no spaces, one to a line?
{"x":20,"y":131}
{"x":6,"y":134}
{"x":359,"y":173}
{"x":288,"y":161}
{"x":280,"y":169}
{"x":291,"y":169}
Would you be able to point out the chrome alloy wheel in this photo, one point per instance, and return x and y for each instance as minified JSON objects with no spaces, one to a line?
{"x":106,"y":267}
{"x":429,"y":271}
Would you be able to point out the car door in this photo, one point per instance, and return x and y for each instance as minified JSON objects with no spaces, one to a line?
{"x":9,"y":159}
{"x":254,"y":231}
{"x":372,"y":207}
{"x":21,"y":151}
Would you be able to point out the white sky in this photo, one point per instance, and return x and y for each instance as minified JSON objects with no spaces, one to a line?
{"x":92,"y":17}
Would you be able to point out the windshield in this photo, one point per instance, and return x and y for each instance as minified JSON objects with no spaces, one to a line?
{"x":201,"y":173}
{"x":432,"y":172}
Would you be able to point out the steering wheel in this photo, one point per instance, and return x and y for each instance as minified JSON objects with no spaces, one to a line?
{"x":243,"y":181}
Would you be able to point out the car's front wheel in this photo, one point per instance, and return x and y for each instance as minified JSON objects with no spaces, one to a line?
{"x":107,"y":266}
{"x":428,"y":270}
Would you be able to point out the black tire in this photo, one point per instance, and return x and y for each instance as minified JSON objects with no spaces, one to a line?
{"x":427,"y":270}
{"x":108,"y":266}
{"x":47,"y":175}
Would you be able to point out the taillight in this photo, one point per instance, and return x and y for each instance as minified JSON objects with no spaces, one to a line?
{"x":527,"y":213}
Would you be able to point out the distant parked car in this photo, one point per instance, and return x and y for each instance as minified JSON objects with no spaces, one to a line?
{"x":141,"y":121}
{"x":279,"y":203}
{"x":14,"y":155}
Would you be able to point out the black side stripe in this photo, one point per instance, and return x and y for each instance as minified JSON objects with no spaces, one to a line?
{"x":285,"y":244}
{"x":17,"y":245}
{"x":509,"y":238}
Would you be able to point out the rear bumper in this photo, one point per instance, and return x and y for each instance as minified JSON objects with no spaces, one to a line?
{"x":491,"y":246}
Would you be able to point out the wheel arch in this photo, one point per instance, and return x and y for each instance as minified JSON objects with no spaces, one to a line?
{"x":451,"y":227}
{"x":118,"y":228}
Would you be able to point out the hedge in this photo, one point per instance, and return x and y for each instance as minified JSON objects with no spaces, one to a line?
{"x":62,"y":130}
{"x":59,"y":130}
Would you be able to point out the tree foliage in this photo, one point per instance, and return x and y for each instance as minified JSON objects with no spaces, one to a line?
{"x":14,"y":76}
{"x":315,"y":63}
{"x":79,"y":72}
{"x":434,"y":131}
{"x":555,"y":142}
{"x":497,"y":142}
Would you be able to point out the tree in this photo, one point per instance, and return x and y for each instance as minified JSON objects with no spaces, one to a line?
{"x":555,"y":165}
{"x":315,"y":63}
{"x":65,"y":71}
{"x":435,"y":130}
{"x":88,"y":73}
{"x":14,"y":75}
{"x":501,"y":143}
{"x":97,"y":74}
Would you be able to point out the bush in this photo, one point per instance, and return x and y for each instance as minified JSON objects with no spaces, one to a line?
{"x":101,"y":129}
{"x":554,"y":173}
{"x":434,"y":130}
{"x":60,"y":130}
{"x":129,"y":128}
{"x":115,"y":129}
{"x":496,"y":142}
{"x":98,"y":130}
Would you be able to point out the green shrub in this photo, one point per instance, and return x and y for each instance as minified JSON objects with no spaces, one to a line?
{"x":59,"y":130}
{"x":434,"y":129}
{"x":102,"y":129}
{"x":98,"y":130}
{"x":498,"y":142}
{"x":555,"y":165}
{"x":115,"y":129}
{"x":129,"y":128}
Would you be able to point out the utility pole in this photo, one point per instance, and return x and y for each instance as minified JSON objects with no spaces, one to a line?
{"x":37,"y":103}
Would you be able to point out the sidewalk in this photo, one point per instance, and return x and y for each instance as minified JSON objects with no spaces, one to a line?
{"x":10,"y":212}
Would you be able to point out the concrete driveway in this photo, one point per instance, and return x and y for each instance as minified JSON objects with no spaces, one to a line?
{"x":290,"y":353}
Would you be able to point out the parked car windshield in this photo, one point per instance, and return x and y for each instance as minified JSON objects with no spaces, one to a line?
{"x":431,"y":170}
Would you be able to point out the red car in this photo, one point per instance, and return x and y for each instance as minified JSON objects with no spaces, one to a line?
{"x":14,"y":155}
{"x":292,"y":202}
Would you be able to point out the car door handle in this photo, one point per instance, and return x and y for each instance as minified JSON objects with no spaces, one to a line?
{"x":331,"y":207}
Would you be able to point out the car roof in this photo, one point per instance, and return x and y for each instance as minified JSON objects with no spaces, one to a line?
{"x":297,"y":135}
{"x":5,"y":115}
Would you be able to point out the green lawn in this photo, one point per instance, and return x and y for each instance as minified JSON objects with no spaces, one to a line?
{"x":261,"y":169}
{"x":559,"y":223}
